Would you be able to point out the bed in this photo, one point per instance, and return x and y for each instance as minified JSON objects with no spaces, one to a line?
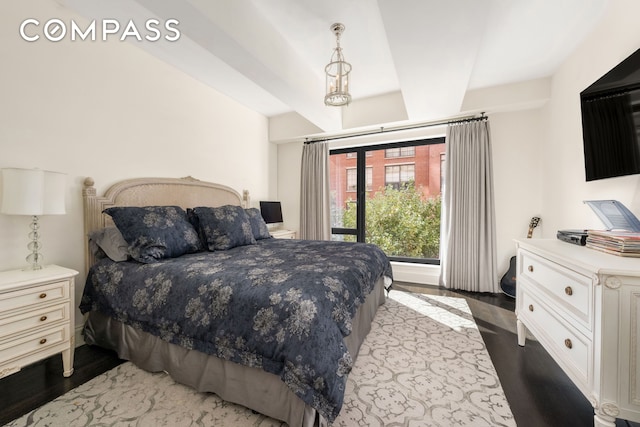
{"x":274,"y":325}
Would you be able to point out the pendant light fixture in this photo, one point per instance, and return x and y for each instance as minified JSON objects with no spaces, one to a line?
{"x":337,"y":74}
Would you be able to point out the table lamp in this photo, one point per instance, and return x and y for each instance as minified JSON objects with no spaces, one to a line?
{"x":33,"y":192}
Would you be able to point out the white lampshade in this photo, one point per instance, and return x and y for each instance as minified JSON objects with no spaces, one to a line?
{"x":32,"y":192}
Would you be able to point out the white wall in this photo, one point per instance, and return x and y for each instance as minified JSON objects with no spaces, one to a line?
{"x":110,"y":111}
{"x":564,"y":184}
{"x":518,"y":167}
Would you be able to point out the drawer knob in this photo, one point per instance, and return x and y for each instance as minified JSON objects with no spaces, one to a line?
{"x":530,"y":268}
{"x":530,"y":307}
{"x":568,"y":343}
{"x":43,"y":340}
{"x":568,"y":290}
{"x":43,"y":295}
{"x":43,"y":318}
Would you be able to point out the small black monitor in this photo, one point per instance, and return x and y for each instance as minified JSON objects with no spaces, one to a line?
{"x":271,"y":212}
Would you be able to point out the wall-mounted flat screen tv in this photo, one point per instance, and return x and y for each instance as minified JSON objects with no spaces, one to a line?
{"x":611,"y":122}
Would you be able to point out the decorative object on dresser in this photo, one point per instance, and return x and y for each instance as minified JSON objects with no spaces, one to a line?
{"x":36,"y":317}
{"x":33,"y":192}
{"x":583,"y":306}
{"x":622,"y":234}
{"x":508,"y":281}
{"x":574,"y":236}
{"x":621,"y":243}
{"x":614,"y":215}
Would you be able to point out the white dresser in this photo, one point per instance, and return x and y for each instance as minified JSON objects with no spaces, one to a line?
{"x":36,"y":317}
{"x":584,"y":308}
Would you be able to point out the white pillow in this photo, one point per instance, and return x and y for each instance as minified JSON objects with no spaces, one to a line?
{"x":110,"y":240}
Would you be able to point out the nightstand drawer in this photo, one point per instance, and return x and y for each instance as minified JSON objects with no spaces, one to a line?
{"x":32,"y":320}
{"x":570,"y":290}
{"x":35,"y":296}
{"x":570,"y":348}
{"x":39,"y":341}
{"x":37,"y":317}
{"x":283,"y":234}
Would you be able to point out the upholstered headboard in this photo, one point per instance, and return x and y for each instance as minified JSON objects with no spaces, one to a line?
{"x":184,"y":192}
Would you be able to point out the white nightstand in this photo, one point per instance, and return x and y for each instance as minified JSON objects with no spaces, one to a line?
{"x":283,"y":234}
{"x":36,"y":317}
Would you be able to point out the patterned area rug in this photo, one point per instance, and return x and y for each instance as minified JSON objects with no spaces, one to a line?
{"x":423,"y":364}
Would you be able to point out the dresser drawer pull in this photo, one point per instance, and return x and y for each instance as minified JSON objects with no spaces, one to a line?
{"x":43,"y":340}
{"x":43,"y":318}
{"x":530,"y":307}
{"x":530,"y":268}
{"x":568,"y":290}
{"x":43,"y":295}
{"x":568,"y":343}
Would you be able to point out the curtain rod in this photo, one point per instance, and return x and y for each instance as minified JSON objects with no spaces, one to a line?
{"x":382,"y":129}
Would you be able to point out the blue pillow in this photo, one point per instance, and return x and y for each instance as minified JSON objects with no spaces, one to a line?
{"x":155,"y":232}
{"x":258,"y":226}
{"x":225,"y":227}
{"x":195,"y":222}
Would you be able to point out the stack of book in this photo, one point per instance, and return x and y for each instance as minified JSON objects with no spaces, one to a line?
{"x":623,"y":243}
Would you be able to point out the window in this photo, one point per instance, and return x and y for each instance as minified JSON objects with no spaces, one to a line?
{"x":382,"y":198}
{"x":397,"y":176}
{"x":391,"y":153}
{"x":355,"y":155}
{"x":352,"y":179}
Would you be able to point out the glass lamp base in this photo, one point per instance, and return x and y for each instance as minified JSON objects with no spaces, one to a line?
{"x":35,"y":257}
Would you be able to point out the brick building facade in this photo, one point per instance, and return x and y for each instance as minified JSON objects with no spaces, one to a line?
{"x":421,"y":164}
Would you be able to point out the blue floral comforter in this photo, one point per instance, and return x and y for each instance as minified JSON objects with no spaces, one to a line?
{"x":280,"y":305}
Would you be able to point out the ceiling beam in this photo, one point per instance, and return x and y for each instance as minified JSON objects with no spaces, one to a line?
{"x":231,"y":47}
{"x":433,"y":73}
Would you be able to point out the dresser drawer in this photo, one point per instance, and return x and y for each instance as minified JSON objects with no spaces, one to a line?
{"x":571,"y":290}
{"x":34,"y":319}
{"x":570,"y":348}
{"x":34,"y":297}
{"x":32,"y":343}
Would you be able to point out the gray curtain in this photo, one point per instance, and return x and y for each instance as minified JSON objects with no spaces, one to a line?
{"x":468,"y":243}
{"x":315,"y":221}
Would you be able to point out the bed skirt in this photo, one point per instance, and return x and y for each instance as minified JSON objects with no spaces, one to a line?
{"x":251,"y":387}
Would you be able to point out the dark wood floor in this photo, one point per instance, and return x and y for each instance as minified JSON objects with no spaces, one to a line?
{"x":539,"y":393}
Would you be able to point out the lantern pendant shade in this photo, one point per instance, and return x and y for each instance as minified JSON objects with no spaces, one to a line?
{"x":337,"y":74}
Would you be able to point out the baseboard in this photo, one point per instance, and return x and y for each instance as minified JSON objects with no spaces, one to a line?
{"x":424,"y":274}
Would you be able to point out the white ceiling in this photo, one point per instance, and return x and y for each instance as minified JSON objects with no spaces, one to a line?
{"x":270,"y":54}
